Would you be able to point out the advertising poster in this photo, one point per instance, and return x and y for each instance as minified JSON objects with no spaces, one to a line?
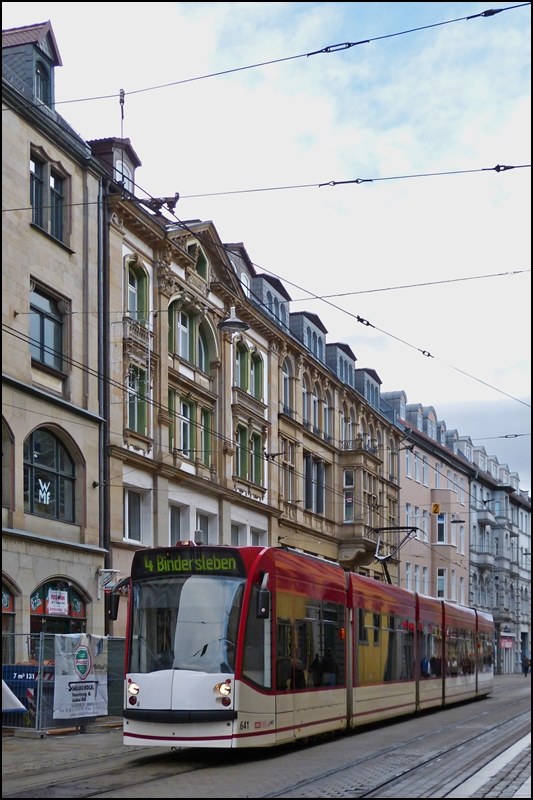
{"x":80,"y":688}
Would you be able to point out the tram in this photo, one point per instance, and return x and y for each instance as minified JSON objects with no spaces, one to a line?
{"x":258,"y":646}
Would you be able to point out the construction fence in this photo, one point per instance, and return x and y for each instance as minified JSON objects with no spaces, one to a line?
{"x":31,"y":677}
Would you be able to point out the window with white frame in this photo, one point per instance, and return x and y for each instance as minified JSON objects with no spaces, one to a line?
{"x":408,"y":522}
{"x":408,"y":576}
{"x":462,"y":539}
{"x":441,"y":582}
{"x":449,"y":484}
{"x":408,"y":463}
{"x":287,"y":387}
{"x":186,"y":429}
{"x":425,"y":525}
{"x":258,"y":538}
{"x":348,"y":487}
{"x":417,"y":467}
{"x":328,"y":415}
{"x":462,"y":491}
{"x":453,"y":586}
{"x":425,"y":471}
{"x":462,"y":593}
{"x":453,"y":534}
{"x":437,"y":475}
{"x":416,"y":587}
{"x":416,"y":522}
{"x":425,"y":580}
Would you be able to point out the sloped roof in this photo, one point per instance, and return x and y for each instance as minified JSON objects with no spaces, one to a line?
{"x":32,"y":34}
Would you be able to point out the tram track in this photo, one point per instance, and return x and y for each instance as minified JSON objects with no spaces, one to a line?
{"x":444,"y":751}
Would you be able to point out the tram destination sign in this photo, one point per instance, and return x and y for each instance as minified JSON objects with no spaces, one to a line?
{"x":187,"y":561}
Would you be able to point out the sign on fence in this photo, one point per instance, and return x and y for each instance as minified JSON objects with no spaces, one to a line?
{"x":80,"y":688}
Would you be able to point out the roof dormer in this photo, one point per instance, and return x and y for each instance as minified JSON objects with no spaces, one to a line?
{"x":31,"y":53}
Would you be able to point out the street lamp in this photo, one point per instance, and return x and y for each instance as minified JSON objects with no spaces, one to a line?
{"x":233,"y":324}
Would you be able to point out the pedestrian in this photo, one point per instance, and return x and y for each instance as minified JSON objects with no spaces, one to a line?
{"x":526,"y":663}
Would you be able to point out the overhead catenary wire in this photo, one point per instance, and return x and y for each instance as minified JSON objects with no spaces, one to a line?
{"x":334,"y":48}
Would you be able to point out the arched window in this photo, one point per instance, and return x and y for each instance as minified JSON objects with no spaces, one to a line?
{"x":49,"y":477}
{"x":269,"y":302}
{"x":283,"y":315}
{"x":56,"y":607}
{"x":315,"y":410}
{"x":256,"y":376}
{"x":202,"y":355}
{"x":124,"y":175}
{"x":137,"y":299}
{"x":287,"y":387}
{"x":276,"y":307}
{"x":245,"y":283}
{"x":306,"y":401}
{"x":327,"y":416}
{"x":392,"y":459}
{"x":241,"y":366}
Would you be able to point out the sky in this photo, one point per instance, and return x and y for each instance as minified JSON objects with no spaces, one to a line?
{"x":439,"y":265}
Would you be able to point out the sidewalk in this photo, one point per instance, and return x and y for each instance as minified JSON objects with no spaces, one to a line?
{"x":508,"y":775}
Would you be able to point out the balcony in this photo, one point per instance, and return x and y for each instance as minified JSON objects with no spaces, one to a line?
{"x":481,"y":560}
{"x":485,"y":516}
{"x":288,"y":411}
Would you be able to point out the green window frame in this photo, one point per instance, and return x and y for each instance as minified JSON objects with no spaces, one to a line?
{"x":137,"y":399}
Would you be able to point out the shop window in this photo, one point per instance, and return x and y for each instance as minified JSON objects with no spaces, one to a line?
{"x":49,"y":477}
{"x":56,"y":607}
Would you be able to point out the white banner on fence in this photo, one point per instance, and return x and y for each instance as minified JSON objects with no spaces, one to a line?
{"x":80,"y":688}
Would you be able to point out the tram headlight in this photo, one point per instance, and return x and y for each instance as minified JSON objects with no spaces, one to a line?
{"x":133,"y":688}
{"x":223,"y":688}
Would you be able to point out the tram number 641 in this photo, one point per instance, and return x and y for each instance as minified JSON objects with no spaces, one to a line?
{"x":244,"y":725}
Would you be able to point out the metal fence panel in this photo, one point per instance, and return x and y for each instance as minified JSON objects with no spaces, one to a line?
{"x":31,"y":677}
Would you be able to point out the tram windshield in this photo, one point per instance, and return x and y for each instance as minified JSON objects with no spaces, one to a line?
{"x":185,"y":622}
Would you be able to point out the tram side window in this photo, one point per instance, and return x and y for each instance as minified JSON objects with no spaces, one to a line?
{"x":453,"y":650}
{"x":256,"y":658}
{"x":309,"y":643}
{"x":385,"y":648}
{"x":484,"y":644}
{"x":430,"y":650}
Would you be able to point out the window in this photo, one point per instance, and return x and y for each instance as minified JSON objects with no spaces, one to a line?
{"x":174,"y":525}
{"x":48,"y":204}
{"x":408,"y":514}
{"x":425,"y":525}
{"x":408,"y":463}
{"x":453,"y":585}
{"x":124,"y":175}
{"x":56,"y":205}
{"x":425,"y":580}
{"x":417,"y":578}
{"x":205,"y":437}
{"x":327,"y":417}
{"x":241,"y":366}
{"x":314,"y":484}
{"x":348,"y":485}
{"x":43,"y":87}
{"x":437,"y":476}
{"x":49,"y":477}
{"x":256,"y":459}
{"x":306,"y":403}
{"x":287,"y":449}
{"x":46,"y":329}
{"x":137,"y":400}
{"x":441,"y":529}
{"x":36,"y":191}
{"x":417,"y":467}
{"x":408,"y":576}
{"x":186,"y":429}
{"x":133,"y":515}
{"x":314,"y":410}
{"x":287,"y":387}
{"x":256,"y":376}
{"x":441,"y":582}
{"x":241,"y":452}
{"x":416,"y":522}
{"x":137,"y":299}
{"x":425,"y":471}
{"x":202,"y":525}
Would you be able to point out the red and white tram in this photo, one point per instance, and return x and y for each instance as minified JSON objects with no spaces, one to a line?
{"x":253,"y":647}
